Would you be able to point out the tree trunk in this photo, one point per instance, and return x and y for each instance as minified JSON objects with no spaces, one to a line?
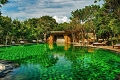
{"x":94,"y":36}
{"x":83,"y":38}
{"x":111,"y":40}
{"x":6,"y":40}
{"x":44,"y":37}
{"x":73,"y":37}
{"x":117,"y":38}
{"x":37,"y":40}
{"x":11,"y":39}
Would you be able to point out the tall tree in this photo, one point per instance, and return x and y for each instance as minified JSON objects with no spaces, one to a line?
{"x":62,"y":26}
{"x":3,"y":2}
{"x":80,"y":16}
{"x":6,"y":25}
{"x":48,"y":24}
{"x":107,"y":19}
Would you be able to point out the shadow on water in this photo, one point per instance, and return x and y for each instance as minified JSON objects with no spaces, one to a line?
{"x":1,"y":51}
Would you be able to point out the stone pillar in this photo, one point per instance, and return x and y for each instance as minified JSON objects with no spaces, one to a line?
{"x":50,"y":39}
{"x":67,"y":39}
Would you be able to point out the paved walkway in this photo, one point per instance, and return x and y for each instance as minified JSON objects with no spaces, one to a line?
{"x":104,"y":47}
{"x":109,"y":48}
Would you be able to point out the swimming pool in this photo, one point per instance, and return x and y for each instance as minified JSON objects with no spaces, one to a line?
{"x":58,"y":62}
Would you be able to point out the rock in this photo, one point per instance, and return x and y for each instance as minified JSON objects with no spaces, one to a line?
{"x":2,"y":67}
{"x":6,"y":67}
{"x":2,"y":75}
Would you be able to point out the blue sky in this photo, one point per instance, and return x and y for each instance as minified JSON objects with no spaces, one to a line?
{"x":58,"y":9}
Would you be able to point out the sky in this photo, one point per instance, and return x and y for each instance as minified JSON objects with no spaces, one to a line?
{"x":58,"y":9}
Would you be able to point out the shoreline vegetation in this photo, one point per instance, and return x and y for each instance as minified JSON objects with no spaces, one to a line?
{"x":103,"y":22}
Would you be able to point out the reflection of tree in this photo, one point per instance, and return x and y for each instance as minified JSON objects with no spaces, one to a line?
{"x":44,"y":57}
{"x":48,"y":60}
{"x":72,"y":53}
{"x":75,"y":52}
{"x":81,"y":62}
{"x":45,"y":60}
{"x":93,"y":65}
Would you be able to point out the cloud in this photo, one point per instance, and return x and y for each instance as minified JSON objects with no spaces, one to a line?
{"x":24,"y":9}
{"x":61,"y":19}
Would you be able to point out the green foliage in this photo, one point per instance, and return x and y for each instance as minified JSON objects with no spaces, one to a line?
{"x":6,"y":27}
{"x":48,"y":23}
{"x":101,"y":21}
{"x":62,"y":26}
{"x":3,"y":2}
{"x":86,"y":13}
{"x":29,"y":29}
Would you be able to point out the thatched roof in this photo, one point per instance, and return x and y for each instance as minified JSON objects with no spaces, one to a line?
{"x":63,"y":32}
{"x":57,"y":32}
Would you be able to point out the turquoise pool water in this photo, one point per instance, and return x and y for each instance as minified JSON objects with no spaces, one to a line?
{"x":53,"y":62}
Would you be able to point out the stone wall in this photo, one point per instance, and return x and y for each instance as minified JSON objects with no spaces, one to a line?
{"x":50,"y":39}
{"x":67,"y":39}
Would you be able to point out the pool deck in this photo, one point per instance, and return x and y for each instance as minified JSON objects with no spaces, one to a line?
{"x":103,"y":47}
{"x":109,"y":48}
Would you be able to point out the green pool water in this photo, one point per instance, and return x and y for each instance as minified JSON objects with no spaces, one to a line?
{"x":53,"y":62}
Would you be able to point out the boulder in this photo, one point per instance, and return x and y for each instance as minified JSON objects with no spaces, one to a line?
{"x":6,"y":67}
{"x":2,"y":67}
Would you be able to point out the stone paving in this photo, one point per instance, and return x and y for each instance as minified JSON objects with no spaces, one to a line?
{"x":110,"y":48}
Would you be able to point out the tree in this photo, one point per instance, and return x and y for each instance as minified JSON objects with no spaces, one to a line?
{"x":62,"y":26}
{"x":107,"y":20}
{"x":90,"y":28}
{"x":114,"y":26}
{"x":80,"y":16}
{"x":101,"y":20}
{"x":48,"y":23}
{"x":32,"y":26}
{"x":3,"y":2}
{"x":6,"y":25}
{"x":112,"y":6}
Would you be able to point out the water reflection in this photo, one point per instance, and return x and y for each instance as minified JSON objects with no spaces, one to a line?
{"x":66,"y":46}
{"x":68,"y":62}
{"x":45,"y":60}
